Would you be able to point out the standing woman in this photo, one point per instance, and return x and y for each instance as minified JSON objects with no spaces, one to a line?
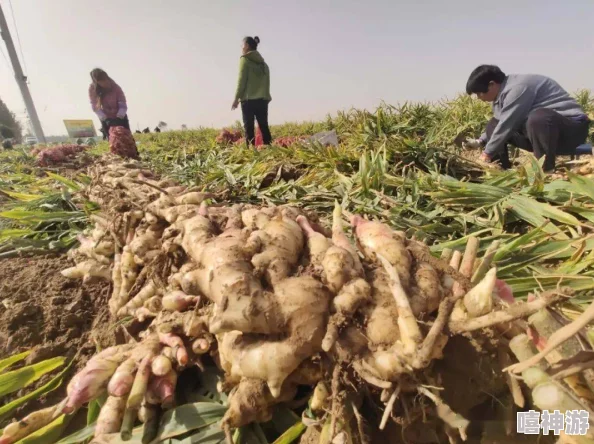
{"x":253,"y":91}
{"x":109,"y":103}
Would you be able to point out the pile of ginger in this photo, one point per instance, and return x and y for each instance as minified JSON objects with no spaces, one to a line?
{"x":276,"y":300}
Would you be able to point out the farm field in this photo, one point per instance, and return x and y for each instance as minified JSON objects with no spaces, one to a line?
{"x":210,"y":293}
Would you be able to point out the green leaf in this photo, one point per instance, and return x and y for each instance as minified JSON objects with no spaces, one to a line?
{"x":40,"y":216}
{"x":17,"y":379}
{"x":69,"y":183}
{"x":292,"y":434}
{"x":79,"y":436}
{"x":189,"y":417}
{"x":586,"y":213}
{"x":519,"y":242}
{"x":460,"y":243}
{"x":24,"y":196}
{"x":12,"y":233}
{"x":199,"y":417}
{"x":284,"y":418}
{"x":94,"y":409}
{"x":53,"y":384}
{"x":564,"y":248}
{"x":250,"y":434}
{"x":207,"y":387}
{"x":581,"y":184}
{"x":536,"y":214}
{"x":208,"y":435}
{"x":522,"y":286}
{"x":7,"y":362}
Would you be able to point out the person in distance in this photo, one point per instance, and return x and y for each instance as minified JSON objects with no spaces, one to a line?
{"x":108,"y":101}
{"x":253,"y":91}
{"x":531,"y":112}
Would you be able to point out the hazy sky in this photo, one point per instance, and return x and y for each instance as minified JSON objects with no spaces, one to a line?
{"x":177,"y":59}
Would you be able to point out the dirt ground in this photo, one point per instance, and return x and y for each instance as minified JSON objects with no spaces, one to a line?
{"x":584,"y":165}
{"x":54,"y":316}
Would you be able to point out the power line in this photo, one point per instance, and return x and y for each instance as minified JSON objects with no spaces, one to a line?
{"x":16,"y":29}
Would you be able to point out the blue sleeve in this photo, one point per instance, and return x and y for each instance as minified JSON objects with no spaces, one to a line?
{"x":516,"y":105}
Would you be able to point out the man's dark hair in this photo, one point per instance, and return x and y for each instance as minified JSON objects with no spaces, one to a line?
{"x":479,"y":79}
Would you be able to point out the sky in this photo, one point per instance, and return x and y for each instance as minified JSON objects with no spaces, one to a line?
{"x":177,"y":60}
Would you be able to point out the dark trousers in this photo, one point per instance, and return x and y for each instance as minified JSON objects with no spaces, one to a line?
{"x":255,"y":109}
{"x":108,"y":123}
{"x":545,"y":133}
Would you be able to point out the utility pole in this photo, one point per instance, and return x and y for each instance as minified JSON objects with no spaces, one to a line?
{"x":21,"y":79}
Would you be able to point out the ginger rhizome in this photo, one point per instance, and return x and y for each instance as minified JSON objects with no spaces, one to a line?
{"x":275,"y":301}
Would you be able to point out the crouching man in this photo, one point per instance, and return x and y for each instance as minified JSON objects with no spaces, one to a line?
{"x":531,"y":112}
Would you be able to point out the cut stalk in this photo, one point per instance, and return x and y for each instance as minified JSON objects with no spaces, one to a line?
{"x":446,"y":254}
{"x":512,"y":383}
{"x":135,"y":399}
{"x":423,"y":357}
{"x":110,"y":416}
{"x":389,"y":407}
{"x":121,"y":382}
{"x":410,"y":332}
{"x":546,"y":325}
{"x":558,"y":338}
{"x":360,"y":424}
{"x":456,"y":259}
{"x":574,"y":370}
{"x":340,"y":239}
{"x":523,"y":348}
{"x":447,"y":415}
{"x":336,"y":405}
{"x":467,"y":265}
{"x":151,"y":426}
{"x":161,"y":365}
{"x":448,"y":281}
{"x":518,"y":310}
{"x":486,"y":262}
{"x":479,"y":300}
{"x":546,"y":393}
{"x":551,"y":396}
{"x":371,"y":379}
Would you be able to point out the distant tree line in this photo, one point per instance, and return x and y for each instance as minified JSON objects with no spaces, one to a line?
{"x":10,"y":128}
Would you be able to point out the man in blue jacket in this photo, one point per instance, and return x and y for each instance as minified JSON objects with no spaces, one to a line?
{"x":531,"y":112}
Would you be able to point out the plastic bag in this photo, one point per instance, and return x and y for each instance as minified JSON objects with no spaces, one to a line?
{"x":325,"y":138}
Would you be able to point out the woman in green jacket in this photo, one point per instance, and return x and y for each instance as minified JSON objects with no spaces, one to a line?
{"x":253,"y":91}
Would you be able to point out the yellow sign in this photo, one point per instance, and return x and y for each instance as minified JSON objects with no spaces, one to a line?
{"x":80,"y":128}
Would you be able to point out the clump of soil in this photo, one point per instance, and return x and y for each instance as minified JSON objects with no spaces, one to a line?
{"x":42,"y":310}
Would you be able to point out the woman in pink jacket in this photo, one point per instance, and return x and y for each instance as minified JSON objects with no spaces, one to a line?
{"x":108,"y":101}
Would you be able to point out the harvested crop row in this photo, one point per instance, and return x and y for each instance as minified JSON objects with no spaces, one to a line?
{"x":278,"y":303}
{"x":57,"y":154}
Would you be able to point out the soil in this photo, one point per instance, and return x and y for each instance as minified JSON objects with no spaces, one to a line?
{"x":564,"y":162}
{"x":42,"y":310}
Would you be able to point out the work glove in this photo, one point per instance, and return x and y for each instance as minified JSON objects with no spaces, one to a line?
{"x":472,"y":143}
{"x":121,"y":115}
